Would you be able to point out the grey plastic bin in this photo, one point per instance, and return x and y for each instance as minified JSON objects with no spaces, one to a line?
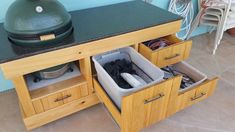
{"x":110,"y":86}
{"x":192,"y":72}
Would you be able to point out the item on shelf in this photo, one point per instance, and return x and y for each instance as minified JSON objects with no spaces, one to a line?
{"x":33,"y":23}
{"x":123,"y":73}
{"x":52,"y":73}
{"x":170,"y":71}
{"x":32,"y":85}
{"x":158,"y":43}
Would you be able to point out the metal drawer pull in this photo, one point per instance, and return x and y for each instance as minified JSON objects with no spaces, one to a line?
{"x":156,"y":98}
{"x":169,"y":58}
{"x":197,"y":97}
{"x":65,"y":97}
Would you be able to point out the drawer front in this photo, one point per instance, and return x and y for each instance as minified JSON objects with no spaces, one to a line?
{"x":75,"y":93}
{"x":158,"y":102}
{"x":169,"y":55}
{"x":146,"y":107}
{"x":179,"y":101}
{"x":52,"y":101}
{"x":58,"y":99}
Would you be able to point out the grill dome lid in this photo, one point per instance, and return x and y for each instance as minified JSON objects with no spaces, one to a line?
{"x":29,"y":17}
{"x":37,"y":22}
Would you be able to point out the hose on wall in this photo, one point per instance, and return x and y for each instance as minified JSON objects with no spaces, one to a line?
{"x":185,"y":9}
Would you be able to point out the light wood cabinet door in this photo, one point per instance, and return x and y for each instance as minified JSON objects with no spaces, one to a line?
{"x":158,"y":102}
{"x":52,"y":101}
{"x":145,"y":107}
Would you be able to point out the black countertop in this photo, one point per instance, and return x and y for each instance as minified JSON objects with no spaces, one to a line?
{"x":94,"y":24}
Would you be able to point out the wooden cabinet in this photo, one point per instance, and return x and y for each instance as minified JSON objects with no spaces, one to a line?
{"x":139,"y":109}
{"x":178,"y":51}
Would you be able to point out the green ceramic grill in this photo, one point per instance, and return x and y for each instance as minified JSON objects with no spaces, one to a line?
{"x":33,"y":23}
{"x":37,"y":22}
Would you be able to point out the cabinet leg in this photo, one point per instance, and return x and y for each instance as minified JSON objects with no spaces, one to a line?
{"x":85,"y":68}
{"x":24,"y":96}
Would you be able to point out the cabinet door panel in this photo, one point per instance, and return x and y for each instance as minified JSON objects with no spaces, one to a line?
{"x":159,"y":106}
{"x":145,"y":107}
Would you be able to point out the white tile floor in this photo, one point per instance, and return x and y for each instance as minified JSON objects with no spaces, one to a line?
{"x":216,"y":114}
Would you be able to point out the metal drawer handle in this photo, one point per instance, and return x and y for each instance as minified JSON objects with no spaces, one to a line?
{"x":197,"y":97}
{"x":169,"y":58}
{"x":156,"y":98}
{"x":65,"y":97}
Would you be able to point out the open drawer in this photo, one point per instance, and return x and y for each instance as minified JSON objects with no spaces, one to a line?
{"x":176,"y":52}
{"x":139,"y":109}
{"x":181,"y":100}
{"x":153,"y":104}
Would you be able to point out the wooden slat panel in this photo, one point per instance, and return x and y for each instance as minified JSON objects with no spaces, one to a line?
{"x":188,"y":48}
{"x":107,"y":102}
{"x":23,"y":95}
{"x":137,"y":115}
{"x":180,"y":50}
{"x":37,"y":104}
{"x":61,"y":111}
{"x":162,"y":54}
{"x":213,"y":86}
{"x":145,"y":51}
{"x":85,"y":90}
{"x":175,"y":99}
{"x":42,"y":61}
{"x":159,"y":107}
{"x":207,"y":88}
{"x":187,"y":98}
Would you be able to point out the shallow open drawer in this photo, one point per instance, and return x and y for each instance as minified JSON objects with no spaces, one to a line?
{"x":139,"y":109}
{"x":176,"y":52}
{"x":181,"y":100}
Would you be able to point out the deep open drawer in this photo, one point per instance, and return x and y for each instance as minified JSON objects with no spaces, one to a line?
{"x":176,"y":52}
{"x":155,"y":103}
{"x":140,"y":109}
